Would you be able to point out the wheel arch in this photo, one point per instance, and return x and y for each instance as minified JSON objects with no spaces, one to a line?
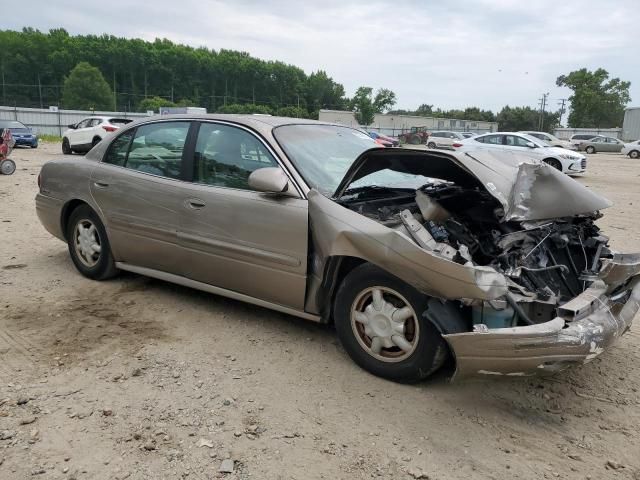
{"x":336,"y":268}
{"x":66,"y":212}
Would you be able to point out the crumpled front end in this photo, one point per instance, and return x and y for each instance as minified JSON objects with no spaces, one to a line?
{"x":585,"y":327}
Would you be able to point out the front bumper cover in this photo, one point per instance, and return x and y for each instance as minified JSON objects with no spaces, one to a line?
{"x":583,"y":329}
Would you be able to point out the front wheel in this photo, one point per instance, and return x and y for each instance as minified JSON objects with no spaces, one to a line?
{"x":634,"y":154}
{"x":552,"y":162}
{"x":89,"y":246}
{"x":431,"y":145}
{"x":590,"y":149}
{"x":379,"y":322}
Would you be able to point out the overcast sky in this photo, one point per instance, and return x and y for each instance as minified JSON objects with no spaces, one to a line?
{"x":452,"y":54}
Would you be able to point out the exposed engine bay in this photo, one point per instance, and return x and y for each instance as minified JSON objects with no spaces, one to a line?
{"x":547,"y":262}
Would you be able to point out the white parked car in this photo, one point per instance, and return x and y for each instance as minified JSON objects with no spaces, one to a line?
{"x":84,"y":135}
{"x":551,"y":140}
{"x":565,"y":160}
{"x":632,"y":149}
{"x":445,"y":139}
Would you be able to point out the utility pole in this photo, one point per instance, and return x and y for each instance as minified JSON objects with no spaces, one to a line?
{"x":543,"y":105}
{"x":561,"y":102}
{"x":40,"y":91}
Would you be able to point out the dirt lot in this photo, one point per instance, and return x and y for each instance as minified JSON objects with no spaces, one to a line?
{"x":136,"y":378}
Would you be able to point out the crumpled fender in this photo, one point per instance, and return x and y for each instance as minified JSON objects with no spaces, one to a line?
{"x":338,"y":231}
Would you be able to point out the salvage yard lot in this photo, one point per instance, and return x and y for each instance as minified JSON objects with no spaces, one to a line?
{"x":137,"y":378}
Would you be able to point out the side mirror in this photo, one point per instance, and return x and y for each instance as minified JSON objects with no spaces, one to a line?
{"x":269,"y":180}
{"x":72,"y":126}
{"x":531,"y":145}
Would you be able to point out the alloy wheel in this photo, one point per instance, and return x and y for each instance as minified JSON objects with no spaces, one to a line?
{"x":385,"y":324}
{"x":86,"y":242}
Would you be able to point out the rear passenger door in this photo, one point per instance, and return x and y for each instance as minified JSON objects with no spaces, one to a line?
{"x":139,"y":188}
{"x":234,"y":237}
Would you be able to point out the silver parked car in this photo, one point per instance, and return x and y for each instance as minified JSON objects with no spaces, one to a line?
{"x":601,"y":144}
{"x":415,"y":256}
{"x":445,"y":139}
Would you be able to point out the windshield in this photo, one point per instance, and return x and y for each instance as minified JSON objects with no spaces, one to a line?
{"x":535,"y":140}
{"x":322,"y":153}
{"x":11,"y":124}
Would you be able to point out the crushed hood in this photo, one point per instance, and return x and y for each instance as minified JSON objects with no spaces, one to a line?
{"x":527,"y":189}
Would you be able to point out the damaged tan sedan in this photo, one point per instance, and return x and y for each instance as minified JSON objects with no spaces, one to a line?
{"x":417,"y":257}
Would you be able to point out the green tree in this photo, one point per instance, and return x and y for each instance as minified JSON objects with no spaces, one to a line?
{"x":154,"y":104}
{"x":292,"y":112}
{"x":245,"y":109}
{"x":525,"y":118}
{"x":365,"y":105}
{"x":597,"y":101}
{"x":86,"y":89}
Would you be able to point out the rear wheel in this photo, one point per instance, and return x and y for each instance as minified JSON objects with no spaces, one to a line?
{"x":415,"y":140}
{"x":552,"y":162}
{"x":89,"y":246}
{"x":634,"y":154}
{"x":379,"y":322}
{"x":431,"y":145}
{"x":590,"y":149}
{"x":66,"y":148}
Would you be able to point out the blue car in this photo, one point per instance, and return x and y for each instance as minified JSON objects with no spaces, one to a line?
{"x":22,"y":134}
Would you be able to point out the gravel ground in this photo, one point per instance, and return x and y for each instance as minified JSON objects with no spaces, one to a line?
{"x":136,"y":378}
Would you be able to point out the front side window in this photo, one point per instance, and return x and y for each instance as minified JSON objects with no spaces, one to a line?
{"x":225,"y":156}
{"x":514,"y":141}
{"x":157,"y":149}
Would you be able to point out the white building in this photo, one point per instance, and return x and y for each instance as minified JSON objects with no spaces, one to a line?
{"x":395,"y":124}
{"x":631,"y":124}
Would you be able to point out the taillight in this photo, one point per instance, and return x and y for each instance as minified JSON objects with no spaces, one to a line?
{"x":109,"y":128}
{"x":456,"y":145}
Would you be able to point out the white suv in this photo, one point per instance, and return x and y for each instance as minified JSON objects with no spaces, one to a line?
{"x":84,"y":135}
{"x":445,"y":139}
{"x":566,"y":161}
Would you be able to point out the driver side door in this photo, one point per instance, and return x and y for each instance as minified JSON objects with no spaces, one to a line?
{"x":236,"y":238}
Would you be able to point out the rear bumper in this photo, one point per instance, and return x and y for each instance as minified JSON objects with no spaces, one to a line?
{"x":49,"y":212}
{"x":583,"y":329}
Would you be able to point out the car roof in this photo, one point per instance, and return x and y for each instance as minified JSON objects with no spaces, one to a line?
{"x":261,"y":123}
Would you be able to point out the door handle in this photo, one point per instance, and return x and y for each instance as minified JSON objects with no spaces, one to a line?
{"x":100,"y":184}
{"x":196,"y":203}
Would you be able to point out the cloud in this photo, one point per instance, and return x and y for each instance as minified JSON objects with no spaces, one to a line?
{"x":453,"y":54}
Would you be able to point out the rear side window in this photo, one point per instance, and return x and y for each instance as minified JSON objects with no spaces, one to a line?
{"x":157,"y":149}
{"x":117,"y":153}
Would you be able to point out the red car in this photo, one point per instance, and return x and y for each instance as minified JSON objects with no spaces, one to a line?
{"x":384,"y":140}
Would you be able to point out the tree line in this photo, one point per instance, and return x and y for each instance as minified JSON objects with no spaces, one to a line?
{"x":104,"y":72}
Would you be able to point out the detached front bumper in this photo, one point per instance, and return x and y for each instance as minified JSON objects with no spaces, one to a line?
{"x":584,"y":328}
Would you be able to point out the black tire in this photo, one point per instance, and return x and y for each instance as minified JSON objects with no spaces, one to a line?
{"x":34,"y":146}
{"x":429,"y":351}
{"x":552,"y":162}
{"x":104,"y":266}
{"x":590,"y":149}
{"x":66,"y":148}
{"x":415,"y":140}
{"x":634,"y":154}
{"x":431,"y":145}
